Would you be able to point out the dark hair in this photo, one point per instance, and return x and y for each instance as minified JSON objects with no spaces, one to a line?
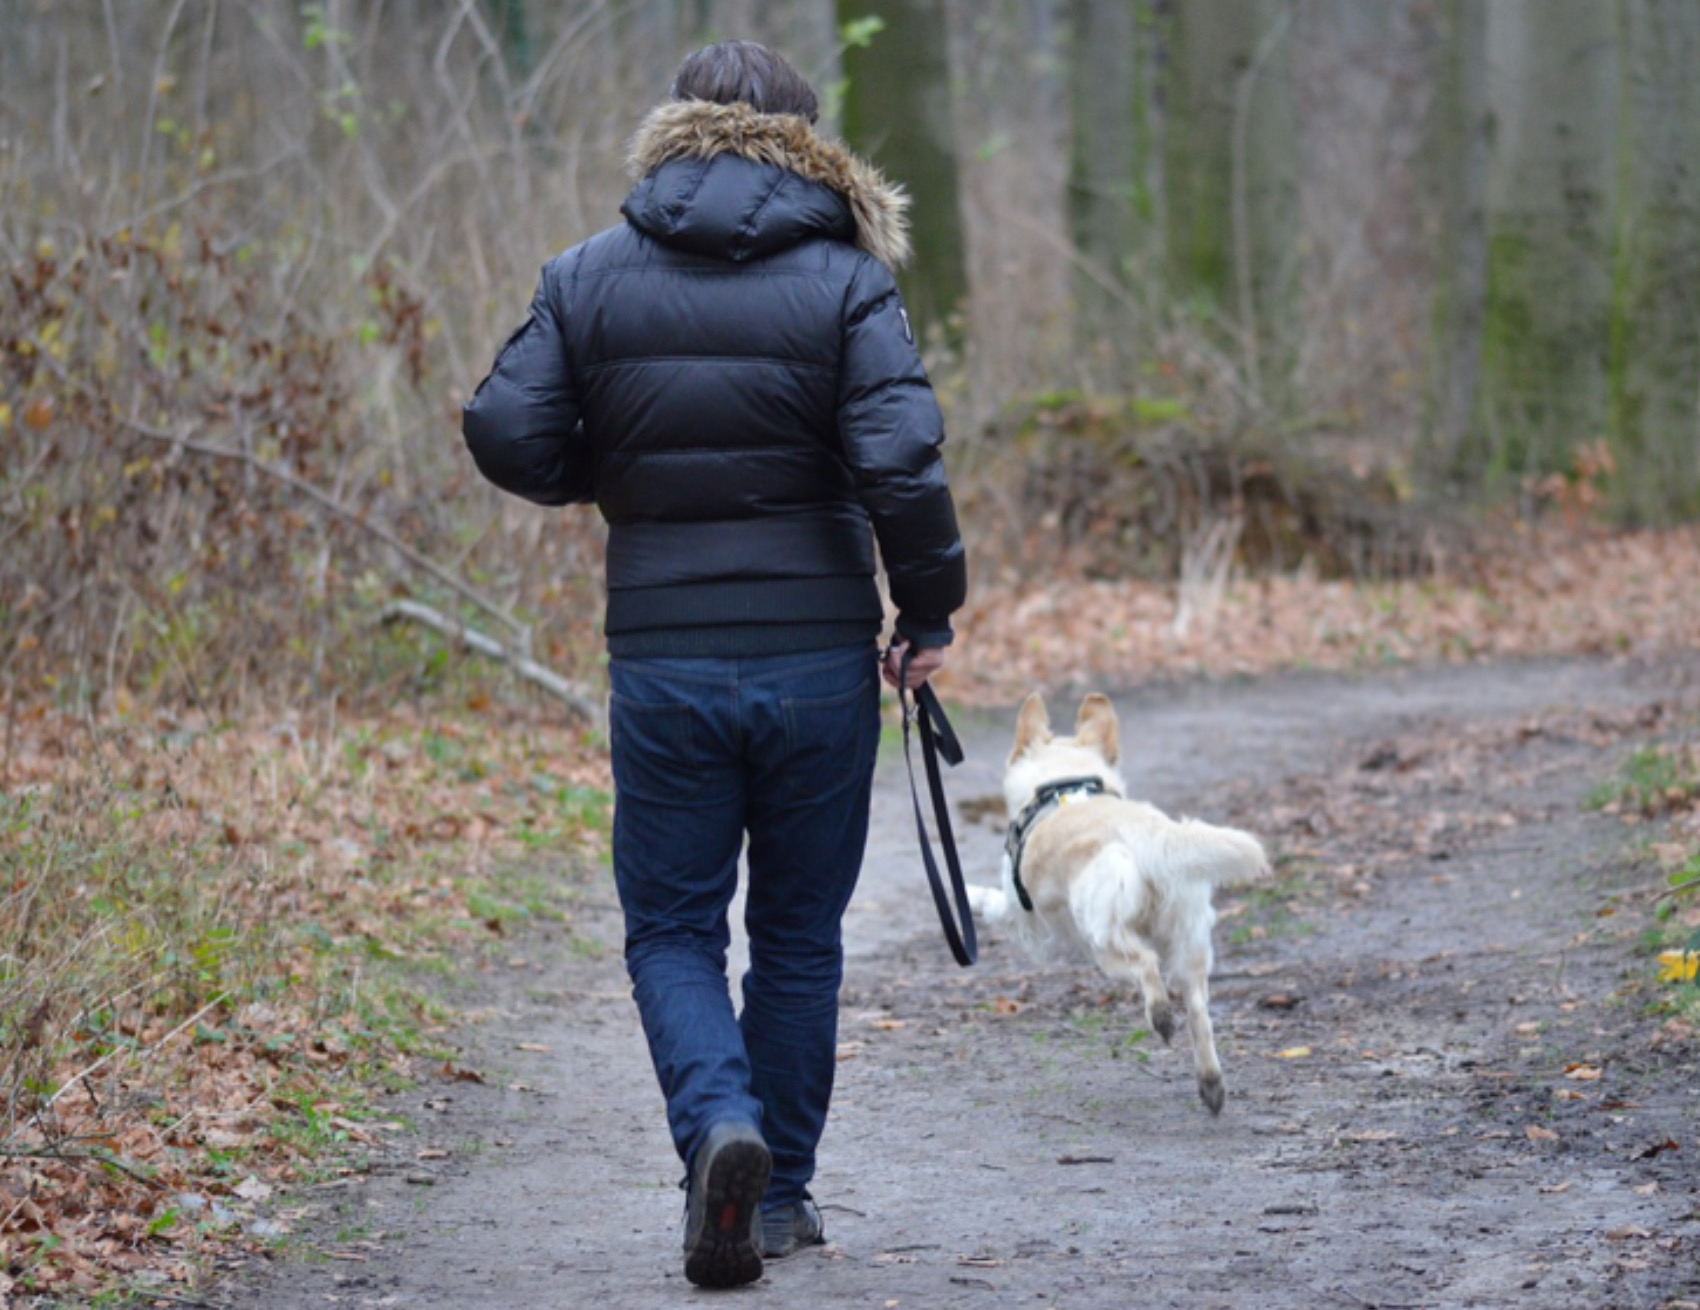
{"x":735,"y":72}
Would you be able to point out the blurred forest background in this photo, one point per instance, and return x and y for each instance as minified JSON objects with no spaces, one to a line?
{"x":1252,"y":285}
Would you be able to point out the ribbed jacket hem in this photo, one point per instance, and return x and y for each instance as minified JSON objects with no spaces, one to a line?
{"x":737,"y":642}
{"x":744,"y":602}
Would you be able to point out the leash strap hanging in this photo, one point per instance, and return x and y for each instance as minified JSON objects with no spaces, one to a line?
{"x":938,"y":738}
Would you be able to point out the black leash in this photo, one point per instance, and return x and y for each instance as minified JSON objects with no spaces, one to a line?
{"x":937,"y":738}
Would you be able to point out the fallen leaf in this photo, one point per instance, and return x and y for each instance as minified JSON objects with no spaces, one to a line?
{"x":890,"y":1025}
{"x":431,"y":1153}
{"x":1535,"y":1133}
{"x":537,"y":1047}
{"x":1669,"y":1144}
{"x":1582,"y":1073}
{"x":1293,"y":1053}
{"x":1628,"y":1233}
{"x":1678,"y":966}
{"x":1556,"y":1188}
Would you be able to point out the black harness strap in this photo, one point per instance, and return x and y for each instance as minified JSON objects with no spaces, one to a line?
{"x":937,"y":738}
{"x":1046,"y":799}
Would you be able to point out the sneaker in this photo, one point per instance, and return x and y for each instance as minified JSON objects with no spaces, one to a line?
{"x":786,"y":1229}
{"x":722,"y":1206}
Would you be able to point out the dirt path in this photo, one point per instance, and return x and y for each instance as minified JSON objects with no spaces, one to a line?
{"x":1447,"y":942}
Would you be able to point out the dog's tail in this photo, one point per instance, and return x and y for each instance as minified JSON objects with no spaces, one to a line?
{"x":1203,"y":852}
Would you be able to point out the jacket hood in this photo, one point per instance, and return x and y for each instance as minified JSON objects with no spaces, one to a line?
{"x":861,"y":204}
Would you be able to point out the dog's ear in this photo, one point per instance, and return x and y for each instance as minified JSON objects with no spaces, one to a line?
{"x":1096,"y":728}
{"x":1033,"y":727}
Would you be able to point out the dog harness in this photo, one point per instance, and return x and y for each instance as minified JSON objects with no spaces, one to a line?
{"x":1051,"y":796}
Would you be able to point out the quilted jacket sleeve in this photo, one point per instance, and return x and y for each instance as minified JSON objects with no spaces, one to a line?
{"x":522,"y":424}
{"x":891,"y":428}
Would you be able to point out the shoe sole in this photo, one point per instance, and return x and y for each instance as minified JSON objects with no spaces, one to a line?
{"x":725,"y":1252}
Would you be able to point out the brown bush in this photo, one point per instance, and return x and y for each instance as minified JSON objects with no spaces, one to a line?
{"x":1114,"y":488}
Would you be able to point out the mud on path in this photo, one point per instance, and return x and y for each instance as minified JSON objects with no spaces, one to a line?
{"x":1484,"y":1118}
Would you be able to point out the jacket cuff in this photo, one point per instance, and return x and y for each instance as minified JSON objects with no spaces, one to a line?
{"x":924,"y":634}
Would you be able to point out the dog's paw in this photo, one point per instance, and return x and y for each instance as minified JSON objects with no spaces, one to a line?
{"x":1162,"y":1016}
{"x":1212,"y":1092}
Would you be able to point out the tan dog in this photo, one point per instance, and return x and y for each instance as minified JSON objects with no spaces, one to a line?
{"x":1115,"y":876}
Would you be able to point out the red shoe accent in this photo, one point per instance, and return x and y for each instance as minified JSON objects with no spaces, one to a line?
{"x":728,"y":1216}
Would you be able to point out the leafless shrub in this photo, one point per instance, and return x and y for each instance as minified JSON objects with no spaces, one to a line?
{"x":240,"y":298}
{"x":1116,"y":488}
{"x":1207,"y":563}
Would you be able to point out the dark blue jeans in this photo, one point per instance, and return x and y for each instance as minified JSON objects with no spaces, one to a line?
{"x":705,"y":751}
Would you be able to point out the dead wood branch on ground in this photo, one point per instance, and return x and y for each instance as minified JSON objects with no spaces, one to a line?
{"x":578,"y":698}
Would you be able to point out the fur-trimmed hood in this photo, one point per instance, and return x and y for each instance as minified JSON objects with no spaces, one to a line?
{"x":701,"y":130}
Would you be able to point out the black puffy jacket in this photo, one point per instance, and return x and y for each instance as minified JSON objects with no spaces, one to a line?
{"x":731,"y":377}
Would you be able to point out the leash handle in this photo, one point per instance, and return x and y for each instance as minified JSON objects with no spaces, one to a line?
{"x":937,"y":738}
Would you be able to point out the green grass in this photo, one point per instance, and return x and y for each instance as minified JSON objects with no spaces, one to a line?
{"x":1269,"y":909}
{"x":1653,"y":780}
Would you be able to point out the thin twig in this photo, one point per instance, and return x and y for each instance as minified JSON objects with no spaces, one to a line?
{"x":320,"y":497}
{"x":213,"y":1004}
{"x":331,"y":505}
{"x":1693,"y":884}
{"x":80,"y":1157}
{"x":1340,"y":1289}
{"x":194,"y":1303}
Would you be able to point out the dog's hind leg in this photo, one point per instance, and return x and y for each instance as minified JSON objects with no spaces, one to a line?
{"x":1195,"y":989}
{"x":1132,"y":961}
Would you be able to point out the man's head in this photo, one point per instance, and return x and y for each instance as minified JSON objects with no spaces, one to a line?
{"x":742,"y":72}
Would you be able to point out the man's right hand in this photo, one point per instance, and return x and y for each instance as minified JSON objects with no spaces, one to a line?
{"x":925,"y":662}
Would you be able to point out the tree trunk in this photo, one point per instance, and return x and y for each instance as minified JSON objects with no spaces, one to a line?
{"x":1655,"y":322}
{"x":1552,"y":83}
{"x":1230,"y":173}
{"x":513,"y":28}
{"x":897,"y":112}
{"x":1455,"y":162}
{"x":1111,"y":189}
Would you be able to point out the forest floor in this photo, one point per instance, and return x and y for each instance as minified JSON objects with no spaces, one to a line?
{"x":325,"y":1004}
{"x":1454,"y":1080}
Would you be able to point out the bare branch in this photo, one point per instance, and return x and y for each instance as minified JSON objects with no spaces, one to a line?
{"x":575,"y":696}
